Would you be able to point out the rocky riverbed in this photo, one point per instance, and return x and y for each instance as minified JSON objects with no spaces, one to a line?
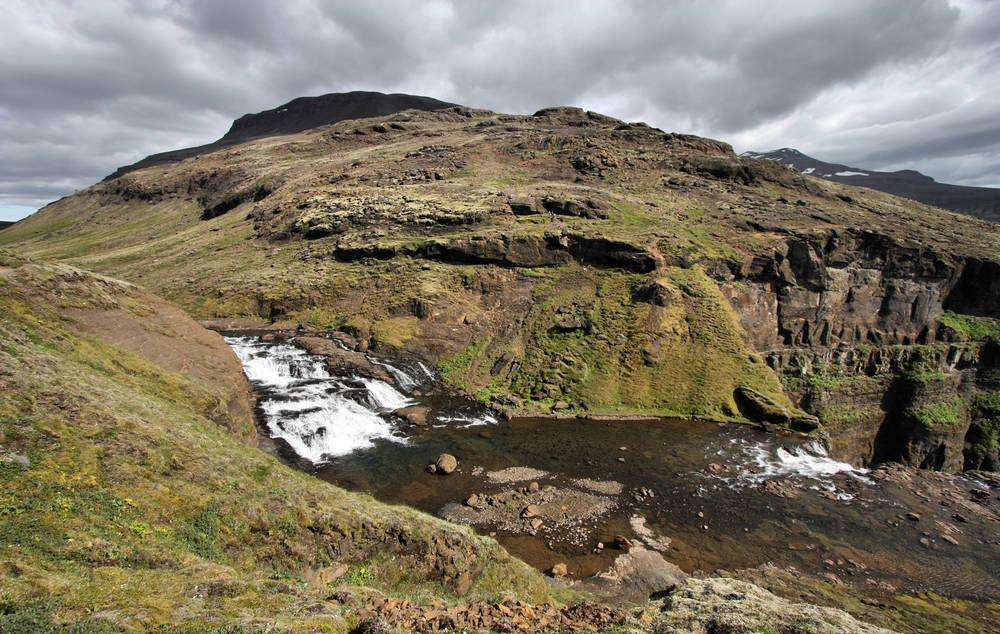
{"x":627,"y":505}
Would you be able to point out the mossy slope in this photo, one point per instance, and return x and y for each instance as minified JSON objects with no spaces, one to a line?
{"x":140,"y":507}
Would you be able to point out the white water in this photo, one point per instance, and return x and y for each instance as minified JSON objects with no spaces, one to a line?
{"x":385,"y":396}
{"x":307,"y":407}
{"x":806,"y":466}
{"x":752,"y":463}
{"x":460,"y":420}
{"x":809,"y":461}
{"x":405,"y":381}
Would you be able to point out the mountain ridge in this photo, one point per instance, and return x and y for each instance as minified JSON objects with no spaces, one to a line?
{"x":297,"y":115}
{"x":980,"y":202}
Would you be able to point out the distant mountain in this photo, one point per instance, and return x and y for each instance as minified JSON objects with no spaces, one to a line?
{"x":5,"y":223}
{"x":981,"y":202}
{"x":297,"y":115}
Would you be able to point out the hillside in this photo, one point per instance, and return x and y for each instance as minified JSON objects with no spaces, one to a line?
{"x":563,"y":263}
{"x":979,"y":202}
{"x":567,"y":261}
{"x":133,"y":493}
{"x":133,"y":498}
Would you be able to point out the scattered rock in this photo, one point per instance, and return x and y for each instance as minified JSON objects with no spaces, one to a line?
{"x":719,"y":604}
{"x":913,"y":517}
{"x":558,"y":570}
{"x":607,"y":487}
{"x":16,"y":458}
{"x":325,"y":576}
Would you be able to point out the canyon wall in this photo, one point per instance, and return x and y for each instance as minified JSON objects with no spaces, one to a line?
{"x":892,"y":346}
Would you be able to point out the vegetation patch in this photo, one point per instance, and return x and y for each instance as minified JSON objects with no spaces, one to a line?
{"x":128,"y":500}
{"x":971,"y":327}
{"x":940,"y":416}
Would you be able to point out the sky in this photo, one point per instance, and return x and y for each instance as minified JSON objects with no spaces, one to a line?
{"x":88,"y":86}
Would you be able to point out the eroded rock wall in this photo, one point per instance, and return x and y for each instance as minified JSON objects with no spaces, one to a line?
{"x":852,"y":322}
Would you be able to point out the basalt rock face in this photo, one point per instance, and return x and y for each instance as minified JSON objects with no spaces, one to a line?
{"x":852,"y":321}
{"x":568,"y":258}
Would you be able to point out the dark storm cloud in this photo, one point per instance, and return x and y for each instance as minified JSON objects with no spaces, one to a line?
{"x":89,"y":86}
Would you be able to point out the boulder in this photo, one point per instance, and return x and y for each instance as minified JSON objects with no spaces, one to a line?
{"x":446,"y":463}
{"x":414,"y":414}
{"x":763,"y":409}
{"x":643,"y":572}
{"x":558,"y":570}
{"x":523,"y":206}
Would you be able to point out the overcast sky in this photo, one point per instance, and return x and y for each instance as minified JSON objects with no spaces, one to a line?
{"x":90,"y":85}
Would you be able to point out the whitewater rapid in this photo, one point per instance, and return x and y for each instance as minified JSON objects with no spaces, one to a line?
{"x":310,"y":409}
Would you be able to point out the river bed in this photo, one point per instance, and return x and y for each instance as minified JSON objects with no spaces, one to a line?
{"x":707,"y":496}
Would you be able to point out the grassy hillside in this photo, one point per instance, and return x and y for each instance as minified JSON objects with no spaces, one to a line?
{"x":127,"y":500}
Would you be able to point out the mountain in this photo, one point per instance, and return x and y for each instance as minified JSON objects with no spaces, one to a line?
{"x":981,"y":202}
{"x":564,"y":264}
{"x":5,"y":223}
{"x":297,"y":115}
{"x":562,"y":260}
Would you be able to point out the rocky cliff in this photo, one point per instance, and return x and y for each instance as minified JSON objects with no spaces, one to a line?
{"x":573,"y":263}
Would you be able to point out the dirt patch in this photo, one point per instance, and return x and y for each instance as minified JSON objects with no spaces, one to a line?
{"x":167,"y":337}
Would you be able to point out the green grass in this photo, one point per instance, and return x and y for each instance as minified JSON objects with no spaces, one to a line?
{"x":940,"y":416}
{"x":135,"y":500}
{"x":989,"y":403}
{"x":845,"y":415}
{"x":971,"y":327}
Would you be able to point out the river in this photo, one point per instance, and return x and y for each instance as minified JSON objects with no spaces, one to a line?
{"x":707,"y":495}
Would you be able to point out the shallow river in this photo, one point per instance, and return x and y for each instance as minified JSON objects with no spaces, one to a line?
{"x":720,"y":496}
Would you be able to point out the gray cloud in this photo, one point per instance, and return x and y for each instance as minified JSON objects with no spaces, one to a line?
{"x":89,"y":86}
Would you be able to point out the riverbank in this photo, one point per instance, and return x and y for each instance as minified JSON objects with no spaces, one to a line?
{"x":721,"y":497}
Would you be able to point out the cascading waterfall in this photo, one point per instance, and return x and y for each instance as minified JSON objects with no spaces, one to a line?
{"x":308,"y":408}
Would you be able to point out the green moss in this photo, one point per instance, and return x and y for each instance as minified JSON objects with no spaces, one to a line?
{"x":589,"y":341}
{"x":988,"y":403}
{"x":456,"y":368}
{"x":396,"y":331}
{"x":135,"y":500}
{"x":971,"y":327}
{"x":830,"y":380}
{"x":839,"y":415}
{"x":937,"y":416}
{"x":924,"y":374}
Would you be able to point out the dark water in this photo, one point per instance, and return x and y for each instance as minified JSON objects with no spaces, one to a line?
{"x":727,"y":496}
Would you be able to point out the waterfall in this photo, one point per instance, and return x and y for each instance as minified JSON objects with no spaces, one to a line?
{"x":308,"y":408}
